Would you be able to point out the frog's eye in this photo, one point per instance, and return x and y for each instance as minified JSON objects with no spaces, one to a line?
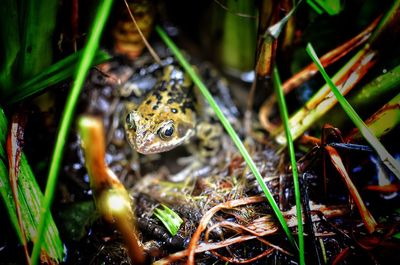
{"x":130,"y":121}
{"x":166,"y":131}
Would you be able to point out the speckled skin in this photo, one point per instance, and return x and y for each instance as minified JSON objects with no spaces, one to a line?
{"x":169,"y":105}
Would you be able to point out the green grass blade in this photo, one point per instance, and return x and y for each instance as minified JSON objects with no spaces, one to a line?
{"x":5,"y":189}
{"x":84,"y":65}
{"x":315,"y":7}
{"x":38,"y":21}
{"x":332,"y":7}
{"x":383,"y":120}
{"x":228,"y":127}
{"x":239,"y":35}
{"x":388,"y":21}
{"x":6,"y":195}
{"x":171,"y":220}
{"x":53,"y":74}
{"x":10,"y":43}
{"x":285,"y":119}
{"x":323,"y":100}
{"x":378,"y":91}
{"x":30,"y":198}
{"x":378,"y":88}
{"x":383,"y":154}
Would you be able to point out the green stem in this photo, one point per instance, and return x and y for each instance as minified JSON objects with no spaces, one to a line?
{"x":228,"y":127}
{"x":87,"y":58}
{"x":285,"y":118}
{"x":239,"y":35}
{"x":53,"y":74}
{"x":383,"y":154}
{"x":37,"y":29}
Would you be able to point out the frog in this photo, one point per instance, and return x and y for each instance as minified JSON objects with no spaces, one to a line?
{"x":170,"y":115}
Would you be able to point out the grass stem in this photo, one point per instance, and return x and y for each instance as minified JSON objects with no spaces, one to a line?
{"x":84,"y":65}
{"x":228,"y":127}
{"x":285,"y":118}
{"x":383,"y":154}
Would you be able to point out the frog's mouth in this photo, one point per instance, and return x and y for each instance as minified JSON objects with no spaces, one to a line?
{"x":146,"y":150}
{"x":154,"y":145}
{"x":154,"y":148}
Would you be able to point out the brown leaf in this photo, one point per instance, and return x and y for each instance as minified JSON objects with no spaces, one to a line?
{"x":367,"y":217}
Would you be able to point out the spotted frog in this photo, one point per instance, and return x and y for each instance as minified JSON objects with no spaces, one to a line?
{"x":169,"y":116}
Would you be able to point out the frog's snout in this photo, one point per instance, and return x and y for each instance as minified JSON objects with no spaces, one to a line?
{"x":142,"y":143}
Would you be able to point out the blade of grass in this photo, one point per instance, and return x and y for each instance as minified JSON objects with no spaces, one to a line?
{"x":5,"y":190}
{"x":53,"y":74}
{"x":30,"y":198}
{"x":37,"y":27}
{"x":378,"y":88}
{"x":239,"y":35}
{"x":315,"y":7}
{"x":84,"y":65}
{"x":285,"y":118}
{"x":6,"y":194}
{"x":10,"y":42}
{"x":323,"y":100}
{"x":171,"y":220}
{"x":382,"y":121}
{"x":383,"y":154}
{"x":332,"y":7}
{"x":310,"y":70}
{"x":14,"y":145}
{"x":330,"y":57}
{"x":377,"y":92}
{"x":346,"y":78}
{"x":228,"y":127}
{"x":388,"y":23}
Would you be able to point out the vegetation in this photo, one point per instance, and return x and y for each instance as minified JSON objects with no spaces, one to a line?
{"x":68,"y":80}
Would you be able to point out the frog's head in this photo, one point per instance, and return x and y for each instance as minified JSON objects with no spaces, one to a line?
{"x":166,"y":118}
{"x":157,"y":133}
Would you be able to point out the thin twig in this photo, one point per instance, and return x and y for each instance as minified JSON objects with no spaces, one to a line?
{"x":151,"y":50}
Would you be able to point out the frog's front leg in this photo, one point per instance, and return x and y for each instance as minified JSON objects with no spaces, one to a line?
{"x":209,"y":139}
{"x":204,"y":147}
